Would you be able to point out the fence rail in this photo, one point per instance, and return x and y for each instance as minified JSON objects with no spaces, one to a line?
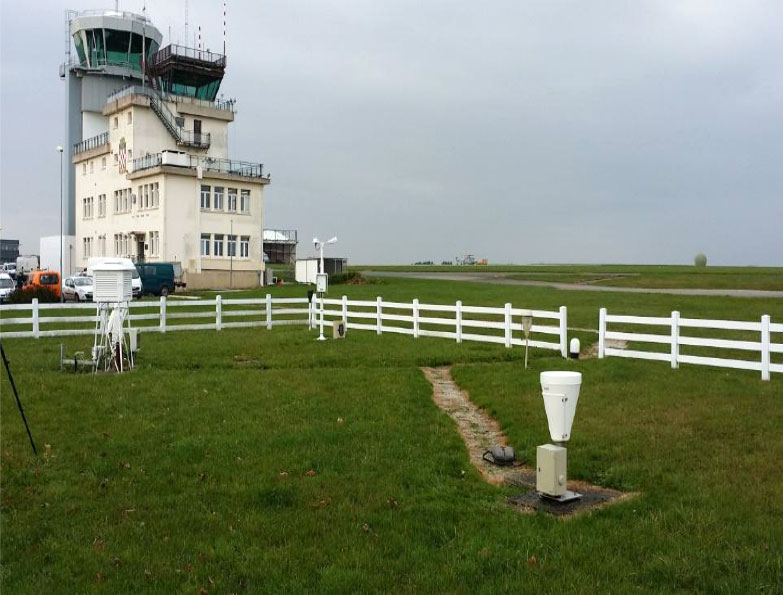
{"x":674,"y":338}
{"x":501,"y":325}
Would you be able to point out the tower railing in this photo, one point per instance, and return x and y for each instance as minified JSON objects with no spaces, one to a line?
{"x":91,"y":143}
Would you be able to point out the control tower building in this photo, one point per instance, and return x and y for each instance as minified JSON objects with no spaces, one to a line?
{"x":110,"y":49}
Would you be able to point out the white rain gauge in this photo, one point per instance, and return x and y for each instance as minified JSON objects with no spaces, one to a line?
{"x":561,"y":393}
{"x":112,"y":291}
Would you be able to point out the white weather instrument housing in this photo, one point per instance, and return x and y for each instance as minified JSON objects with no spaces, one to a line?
{"x":112,"y":291}
{"x":560,"y":390}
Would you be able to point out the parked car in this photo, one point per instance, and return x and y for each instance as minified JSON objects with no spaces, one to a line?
{"x":156,"y":277}
{"x":10,"y":269}
{"x":7,"y":286}
{"x":78,"y":288}
{"x":136,"y":284}
{"x":48,"y":279}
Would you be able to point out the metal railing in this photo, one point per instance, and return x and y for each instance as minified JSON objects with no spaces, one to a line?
{"x":91,"y":143}
{"x":228,"y":105}
{"x":186,"y":52}
{"x":208,"y":164}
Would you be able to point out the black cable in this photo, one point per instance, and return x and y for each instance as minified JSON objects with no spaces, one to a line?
{"x":18,"y":402}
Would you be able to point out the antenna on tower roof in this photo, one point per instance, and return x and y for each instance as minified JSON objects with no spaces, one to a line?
{"x":224,"y":27}
{"x":186,"y":22}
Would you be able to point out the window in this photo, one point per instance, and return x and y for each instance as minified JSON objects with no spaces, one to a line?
{"x":244,"y":203}
{"x":88,"y":207}
{"x":84,"y":169}
{"x":130,"y":154}
{"x":218,"y":245}
{"x":204,"y":244}
{"x":130,"y":117}
{"x":154,"y":243}
{"x":205,"y":196}
{"x":180,"y":122}
{"x":116,"y":123}
{"x":92,"y":166}
{"x":103,"y":162}
{"x":147,"y":196}
{"x":117,"y":244}
{"x":218,"y":198}
{"x":232,"y":199}
{"x":244,"y":247}
{"x":101,"y":205}
{"x":232,"y":245}
{"x":87,"y":247}
{"x":154,"y":195}
{"x":103,"y":245}
{"x":116,"y":159}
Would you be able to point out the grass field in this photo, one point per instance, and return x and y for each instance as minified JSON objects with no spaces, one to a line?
{"x":646,"y":276}
{"x":264,"y":461}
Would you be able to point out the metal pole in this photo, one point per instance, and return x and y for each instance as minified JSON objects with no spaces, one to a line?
{"x":230,"y":239}
{"x":16,"y":395}
{"x":61,"y":224}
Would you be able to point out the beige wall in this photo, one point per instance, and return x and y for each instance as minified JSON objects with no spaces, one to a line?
{"x":178,"y":219}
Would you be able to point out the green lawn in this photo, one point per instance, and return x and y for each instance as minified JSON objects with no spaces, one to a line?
{"x":646,"y":276}
{"x":191,"y":472}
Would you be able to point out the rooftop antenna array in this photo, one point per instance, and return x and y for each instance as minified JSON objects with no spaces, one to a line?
{"x":224,"y":27}
{"x":186,"y":22}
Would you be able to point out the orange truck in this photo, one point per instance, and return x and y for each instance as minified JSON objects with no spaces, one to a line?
{"x":48,"y":279}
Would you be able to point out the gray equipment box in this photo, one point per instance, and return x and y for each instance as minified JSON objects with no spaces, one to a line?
{"x":551,"y":470}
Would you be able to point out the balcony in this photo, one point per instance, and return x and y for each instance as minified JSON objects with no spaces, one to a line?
{"x":244,"y":169}
{"x":228,"y":105}
{"x":91,"y":143}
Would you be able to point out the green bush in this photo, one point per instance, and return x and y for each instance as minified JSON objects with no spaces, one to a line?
{"x":26,"y":295}
{"x":700,"y":260}
{"x":349,"y":278}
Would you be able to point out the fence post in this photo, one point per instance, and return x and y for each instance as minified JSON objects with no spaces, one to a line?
{"x":163,"y":314}
{"x":268,"y":311}
{"x":36,"y":323}
{"x":564,"y":331}
{"x":416,"y":318}
{"x":675,"y":339}
{"x":379,"y":301}
{"x":507,"y":323}
{"x":219,"y":313}
{"x":459,"y":321}
{"x":765,"y":347}
{"x":602,"y":333}
{"x":345,"y":311}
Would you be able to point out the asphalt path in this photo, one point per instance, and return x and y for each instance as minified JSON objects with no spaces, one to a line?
{"x":503,"y":279}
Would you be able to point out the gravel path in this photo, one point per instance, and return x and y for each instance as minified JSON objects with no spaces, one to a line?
{"x":503,"y":279}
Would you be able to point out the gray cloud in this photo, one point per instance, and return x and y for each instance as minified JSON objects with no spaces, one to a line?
{"x":519,"y":131}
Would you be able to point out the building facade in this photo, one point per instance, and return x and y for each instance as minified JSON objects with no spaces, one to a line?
{"x":153,"y":181}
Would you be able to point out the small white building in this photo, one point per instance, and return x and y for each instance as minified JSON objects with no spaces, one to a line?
{"x":154,"y":182}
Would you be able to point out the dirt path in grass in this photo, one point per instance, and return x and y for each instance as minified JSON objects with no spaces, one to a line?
{"x":481,"y":432}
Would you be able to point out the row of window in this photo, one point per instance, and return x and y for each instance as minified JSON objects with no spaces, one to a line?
{"x":148,"y":196}
{"x":213,"y":201}
{"x":129,"y":119}
{"x":88,"y":206}
{"x":91,"y":163}
{"x":123,"y":245}
{"x":214,"y":244}
{"x":87,"y":247}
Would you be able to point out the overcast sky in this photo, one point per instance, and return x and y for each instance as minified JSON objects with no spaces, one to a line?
{"x":519,"y":131}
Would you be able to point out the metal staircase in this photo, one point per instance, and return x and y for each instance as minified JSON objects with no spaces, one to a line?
{"x":187,"y":138}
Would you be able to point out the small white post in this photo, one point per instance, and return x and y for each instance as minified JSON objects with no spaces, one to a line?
{"x":602,"y":333}
{"x":416,"y":318}
{"x":163,"y":314}
{"x":675,"y":339}
{"x":36,"y":323}
{"x":379,"y":302}
{"x":765,"y":347}
{"x":219,"y":313}
{"x":459,"y":321}
{"x":507,"y":322}
{"x":564,"y":331}
{"x":345,"y":311}
{"x":269,"y":311}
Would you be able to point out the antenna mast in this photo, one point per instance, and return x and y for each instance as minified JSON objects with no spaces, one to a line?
{"x":224,"y":27}
{"x":186,"y":22}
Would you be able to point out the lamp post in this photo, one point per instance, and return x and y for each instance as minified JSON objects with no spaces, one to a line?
{"x":60,"y":150}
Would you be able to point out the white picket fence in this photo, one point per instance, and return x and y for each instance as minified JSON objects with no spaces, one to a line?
{"x":674,"y":339}
{"x":484,"y":324}
{"x":162,"y":316}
